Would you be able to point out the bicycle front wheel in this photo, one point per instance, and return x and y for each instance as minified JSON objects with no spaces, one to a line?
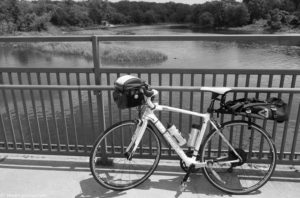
{"x":111,"y":166}
{"x":252,"y":144}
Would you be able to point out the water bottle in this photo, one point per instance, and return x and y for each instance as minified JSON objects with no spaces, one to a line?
{"x":177,"y":135}
{"x":193,"y":135}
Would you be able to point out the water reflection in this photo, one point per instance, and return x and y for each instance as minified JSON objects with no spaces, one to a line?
{"x":20,"y":57}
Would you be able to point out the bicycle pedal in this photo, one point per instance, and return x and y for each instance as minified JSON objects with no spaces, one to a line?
{"x":182,"y":186}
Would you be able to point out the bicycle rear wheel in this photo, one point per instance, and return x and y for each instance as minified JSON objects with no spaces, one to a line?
{"x":256,"y":149}
{"x":110,"y":164}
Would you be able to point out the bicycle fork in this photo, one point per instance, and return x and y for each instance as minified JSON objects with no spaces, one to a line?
{"x":136,"y":138}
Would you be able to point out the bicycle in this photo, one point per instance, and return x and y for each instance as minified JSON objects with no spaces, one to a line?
{"x":237,"y":157}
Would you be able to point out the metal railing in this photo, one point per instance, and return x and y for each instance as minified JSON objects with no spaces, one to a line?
{"x":63,"y":110}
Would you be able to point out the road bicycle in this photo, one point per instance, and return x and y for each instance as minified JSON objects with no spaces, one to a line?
{"x":237,"y":157}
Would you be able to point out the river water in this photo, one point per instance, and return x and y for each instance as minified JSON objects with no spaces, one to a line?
{"x":223,"y":55}
{"x":187,"y":54}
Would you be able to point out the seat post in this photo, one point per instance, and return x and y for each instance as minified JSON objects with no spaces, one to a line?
{"x":212,"y":103}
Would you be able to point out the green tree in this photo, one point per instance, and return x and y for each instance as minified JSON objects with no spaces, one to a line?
{"x":78,"y":16}
{"x":288,"y":5}
{"x":136,"y":16}
{"x":9,"y":15}
{"x":257,"y":9}
{"x":277,"y":18}
{"x":40,"y":23}
{"x":6,"y":24}
{"x":118,"y":18}
{"x":41,"y":7}
{"x":70,"y":14}
{"x":150,"y":17}
{"x":9,"y":10}
{"x":296,"y":20}
{"x":95,"y":11}
{"x":216,"y":8}
{"x":180,"y":13}
{"x":236,"y":15}
{"x":59,"y":16}
{"x":206,"y":20}
{"x":14,"y":10}
{"x":273,"y":4}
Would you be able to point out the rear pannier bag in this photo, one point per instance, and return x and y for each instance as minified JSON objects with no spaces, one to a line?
{"x":127,"y":92}
{"x":271,"y":109}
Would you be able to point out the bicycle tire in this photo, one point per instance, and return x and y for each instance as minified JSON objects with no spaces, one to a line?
{"x":258,"y":154}
{"x":115,"y":171}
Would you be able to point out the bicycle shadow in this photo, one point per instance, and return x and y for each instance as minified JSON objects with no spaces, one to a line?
{"x":157,"y":184}
{"x":197,"y":184}
{"x":90,"y":188}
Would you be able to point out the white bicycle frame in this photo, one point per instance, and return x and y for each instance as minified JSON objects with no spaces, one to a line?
{"x":149,"y":115}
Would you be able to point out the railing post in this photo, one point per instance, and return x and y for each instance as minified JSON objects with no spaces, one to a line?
{"x":100,"y":105}
{"x":97,"y":65}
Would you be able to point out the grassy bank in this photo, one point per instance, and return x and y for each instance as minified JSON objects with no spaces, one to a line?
{"x":110,"y":53}
{"x":261,"y":27}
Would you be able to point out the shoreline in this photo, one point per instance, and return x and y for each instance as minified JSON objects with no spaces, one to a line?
{"x":260,"y":27}
{"x":111,"y":53}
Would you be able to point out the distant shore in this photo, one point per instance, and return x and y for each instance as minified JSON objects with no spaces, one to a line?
{"x":260,"y":27}
{"x":110,"y":52}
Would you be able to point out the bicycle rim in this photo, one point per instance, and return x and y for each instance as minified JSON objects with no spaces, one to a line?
{"x":114,"y":170}
{"x":252,"y":144}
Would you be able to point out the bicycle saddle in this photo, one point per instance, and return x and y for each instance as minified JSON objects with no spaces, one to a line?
{"x":218,"y":90}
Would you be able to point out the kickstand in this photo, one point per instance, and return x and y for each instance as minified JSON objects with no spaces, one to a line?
{"x":187,"y":175}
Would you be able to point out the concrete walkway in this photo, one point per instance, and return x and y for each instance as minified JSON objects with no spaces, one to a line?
{"x":37,"y":176}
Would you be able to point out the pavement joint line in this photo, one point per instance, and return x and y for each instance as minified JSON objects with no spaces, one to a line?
{"x":62,"y":158}
{"x":85,"y":159}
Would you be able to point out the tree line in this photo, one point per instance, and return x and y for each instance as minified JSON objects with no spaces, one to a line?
{"x":21,"y":15}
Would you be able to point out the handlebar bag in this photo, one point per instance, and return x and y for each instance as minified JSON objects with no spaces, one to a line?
{"x":271,"y":109}
{"x":127,"y":93}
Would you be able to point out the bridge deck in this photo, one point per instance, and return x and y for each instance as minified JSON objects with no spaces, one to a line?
{"x":40,"y":176}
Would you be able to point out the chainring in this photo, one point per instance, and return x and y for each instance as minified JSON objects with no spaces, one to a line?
{"x":184,"y":167}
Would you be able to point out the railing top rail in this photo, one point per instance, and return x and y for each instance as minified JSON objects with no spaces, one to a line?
{"x":45,"y":38}
{"x":49,"y":70}
{"x":186,"y":70}
{"x":205,"y":37}
{"x":154,"y":70}
{"x":163,"y":88}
